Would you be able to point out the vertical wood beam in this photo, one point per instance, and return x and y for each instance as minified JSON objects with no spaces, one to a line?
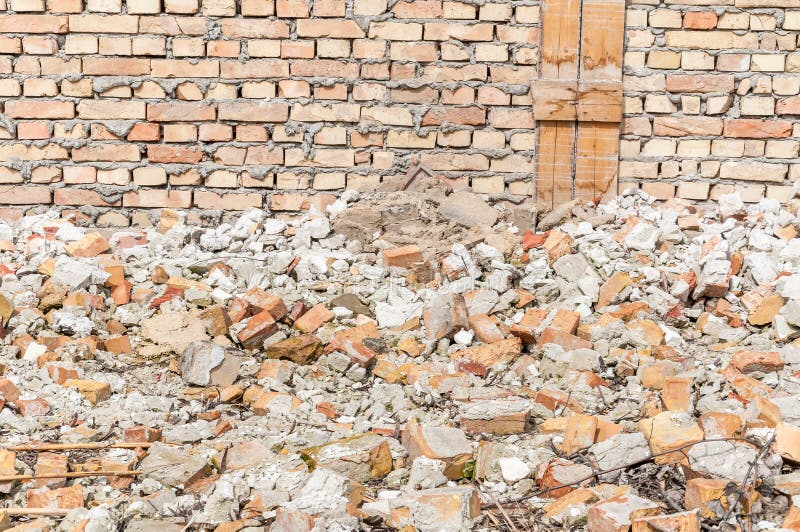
{"x":603,"y":27}
{"x":558,"y":60}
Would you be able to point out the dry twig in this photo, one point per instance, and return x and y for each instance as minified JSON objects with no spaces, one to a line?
{"x":746,"y":477}
{"x":76,"y":446}
{"x":34,"y":511}
{"x":72,"y":474}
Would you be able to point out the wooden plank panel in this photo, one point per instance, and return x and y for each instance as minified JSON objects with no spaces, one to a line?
{"x":602,"y":35}
{"x":597,"y":155}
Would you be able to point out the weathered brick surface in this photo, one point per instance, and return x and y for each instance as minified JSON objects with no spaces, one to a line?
{"x":143,"y":104}
{"x":146,"y":104}
{"x":708,"y":84}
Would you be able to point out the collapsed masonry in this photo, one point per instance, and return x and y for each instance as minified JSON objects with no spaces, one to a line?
{"x":416,"y":361}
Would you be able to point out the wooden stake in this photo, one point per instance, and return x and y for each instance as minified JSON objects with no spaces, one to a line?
{"x":34,"y":511}
{"x":72,"y":474}
{"x":77,"y":446}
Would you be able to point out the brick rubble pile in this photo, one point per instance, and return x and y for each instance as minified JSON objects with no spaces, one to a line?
{"x":409,"y":361}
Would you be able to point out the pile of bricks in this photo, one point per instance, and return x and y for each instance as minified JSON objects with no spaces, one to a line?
{"x":277,"y":375}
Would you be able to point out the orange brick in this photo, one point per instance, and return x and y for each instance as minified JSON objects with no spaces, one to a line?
{"x":315,"y":318}
{"x":404,"y":257}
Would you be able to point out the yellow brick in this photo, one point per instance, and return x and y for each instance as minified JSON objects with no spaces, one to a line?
{"x":663,"y":59}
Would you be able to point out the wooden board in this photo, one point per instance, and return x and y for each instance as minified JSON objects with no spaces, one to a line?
{"x":596,"y":159}
{"x":597,"y":152}
{"x":558,"y":61}
{"x":602,"y":32}
{"x":554,"y":99}
{"x":585,"y":101}
{"x":559,"y":48}
{"x":554,"y":168}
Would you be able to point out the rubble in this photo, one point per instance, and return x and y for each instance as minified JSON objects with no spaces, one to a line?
{"x":407,"y":360}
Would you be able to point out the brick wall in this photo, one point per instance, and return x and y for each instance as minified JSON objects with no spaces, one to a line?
{"x":711,"y":98}
{"x":116,"y":106}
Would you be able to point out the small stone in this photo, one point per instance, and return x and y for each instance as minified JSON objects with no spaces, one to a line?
{"x":444,"y":509}
{"x":351,"y":302}
{"x":445,"y":315}
{"x":303,"y":349}
{"x":513,"y":469}
{"x":205,"y":363}
{"x":467,"y":209}
{"x":615,"y":514}
{"x":174,"y":465}
{"x":93,"y":391}
{"x":447,"y":444}
{"x":360,"y":458}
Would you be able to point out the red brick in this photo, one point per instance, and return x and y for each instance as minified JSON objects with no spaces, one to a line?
{"x":114,"y":66}
{"x":164,"y":153}
{"x":254,"y":111}
{"x":338,"y":29}
{"x":700,"y":82}
{"x":291,"y":8}
{"x":325,"y":68}
{"x":61,"y":498}
{"x":144,"y":132}
{"x":700,"y":20}
{"x":259,"y":328}
{"x":404,"y":256}
{"x":255,"y":28}
{"x":472,"y":116}
{"x":757,"y":129}
{"x":176,"y":68}
{"x":33,"y":130}
{"x":788,"y":106}
{"x":103,"y":24}
{"x":315,"y":318}
{"x":107,"y":152}
{"x":255,"y":68}
{"x":564,"y":339}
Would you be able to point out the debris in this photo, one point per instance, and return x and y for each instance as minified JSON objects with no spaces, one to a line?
{"x":447,"y":371}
